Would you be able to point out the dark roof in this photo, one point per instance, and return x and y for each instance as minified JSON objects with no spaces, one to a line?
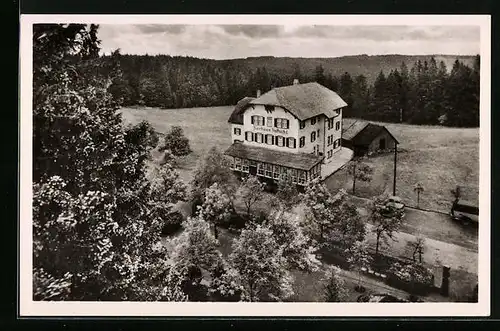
{"x":292,"y":160}
{"x":362,"y":133}
{"x":303,"y":100}
{"x":352,"y":130}
{"x":237,"y":114}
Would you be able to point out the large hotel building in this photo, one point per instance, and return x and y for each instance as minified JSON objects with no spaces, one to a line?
{"x":293,"y":131}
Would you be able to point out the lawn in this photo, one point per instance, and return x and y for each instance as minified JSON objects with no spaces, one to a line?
{"x":438,"y":157}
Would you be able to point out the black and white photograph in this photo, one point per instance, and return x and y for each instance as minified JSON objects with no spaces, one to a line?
{"x":272,"y":165}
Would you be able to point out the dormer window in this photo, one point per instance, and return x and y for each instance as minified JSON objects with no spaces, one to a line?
{"x":302,"y":124}
{"x":313,"y":120}
{"x":268,"y":108}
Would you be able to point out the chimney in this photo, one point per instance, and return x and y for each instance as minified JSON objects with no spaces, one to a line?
{"x":295,"y":81}
{"x":258,"y":93}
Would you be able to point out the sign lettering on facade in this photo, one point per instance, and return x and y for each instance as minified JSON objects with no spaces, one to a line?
{"x":273,"y":130}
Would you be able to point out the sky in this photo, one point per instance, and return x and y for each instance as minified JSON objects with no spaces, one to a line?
{"x":240,"y":41}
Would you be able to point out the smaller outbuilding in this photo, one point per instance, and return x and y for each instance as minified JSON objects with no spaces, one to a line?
{"x":366,"y":138}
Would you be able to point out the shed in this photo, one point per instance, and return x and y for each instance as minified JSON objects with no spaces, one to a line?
{"x":366,"y":138}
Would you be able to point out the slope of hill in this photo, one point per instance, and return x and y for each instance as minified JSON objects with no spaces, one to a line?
{"x":368,"y":65}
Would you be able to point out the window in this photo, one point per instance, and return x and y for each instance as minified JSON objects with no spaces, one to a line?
{"x":260,"y":169}
{"x":302,"y":177}
{"x":281,"y":123}
{"x":330,"y":123}
{"x":302,"y":142}
{"x":258,"y":120}
{"x":337,"y":126}
{"x":259,"y":138}
{"x":237,"y":164}
{"x":313,"y":120}
{"x":248,"y":136}
{"x":290,"y":142}
{"x":268,"y":107}
{"x":313,"y":136}
{"x":245,"y":166}
{"x":329,"y":154}
{"x":302,"y":124}
{"x":336,"y":143}
{"x":280,"y":141}
{"x":269,"y":121}
{"x":294,"y":176}
{"x":269,"y":139}
{"x":269,"y":170}
{"x":330,"y":140}
{"x":276,"y":174}
{"x":317,"y":133}
{"x":237,"y":131}
{"x":314,"y":149}
{"x":231,"y":164}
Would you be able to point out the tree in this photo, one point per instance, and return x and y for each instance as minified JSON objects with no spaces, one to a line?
{"x":250,"y":192}
{"x":347,"y":227}
{"x":97,"y":218}
{"x":216,"y":207}
{"x":335,"y":290}
{"x":414,"y":274}
{"x":418,"y":188}
{"x":225,"y":284}
{"x":359,"y":171}
{"x":319,"y":203}
{"x":287,"y":193}
{"x":319,"y":75}
{"x":176,"y":142}
{"x":259,"y":261}
{"x":359,"y":258}
{"x":417,"y":248}
{"x":296,"y":246}
{"x":214,"y":168}
{"x":385,"y":221}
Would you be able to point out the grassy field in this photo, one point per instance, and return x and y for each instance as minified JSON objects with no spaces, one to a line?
{"x":438,"y":157}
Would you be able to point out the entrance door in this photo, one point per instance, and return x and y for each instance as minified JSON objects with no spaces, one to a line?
{"x":253,"y":168}
{"x":382,"y":143}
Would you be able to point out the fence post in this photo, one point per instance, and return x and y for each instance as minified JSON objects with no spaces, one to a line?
{"x":445,"y":285}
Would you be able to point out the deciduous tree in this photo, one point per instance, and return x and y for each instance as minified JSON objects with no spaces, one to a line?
{"x":335,"y":289}
{"x":176,"y":142}
{"x":359,"y":171}
{"x":216,"y":207}
{"x":250,"y":192}
{"x":259,"y":261}
{"x":385,"y":221}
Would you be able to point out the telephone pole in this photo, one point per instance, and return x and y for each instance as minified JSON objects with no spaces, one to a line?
{"x":395,"y":161}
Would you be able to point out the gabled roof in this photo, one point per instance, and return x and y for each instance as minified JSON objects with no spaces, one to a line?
{"x":292,"y":160}
{"x":363,"y":133}
{"x":237,"y":114}
{"x":303,"y":100}
{"x":352,"y":130}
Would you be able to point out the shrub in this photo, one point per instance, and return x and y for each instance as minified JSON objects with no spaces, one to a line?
{"x":173,"y":223}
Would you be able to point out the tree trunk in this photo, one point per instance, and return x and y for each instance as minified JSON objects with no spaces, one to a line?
{"x":216,"y":232}
{"x":354,"y":179}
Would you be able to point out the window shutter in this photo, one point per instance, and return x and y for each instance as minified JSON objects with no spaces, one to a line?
{"x":287,"y":124}
{"x":252,"y":119}
{"x":275,"y":122}
{"x":294,"y":143}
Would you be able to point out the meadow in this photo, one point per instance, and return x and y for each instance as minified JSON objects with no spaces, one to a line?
{"x":438,"y":157}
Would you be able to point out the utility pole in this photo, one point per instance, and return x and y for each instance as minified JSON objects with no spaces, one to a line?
{"x":395,"y":161}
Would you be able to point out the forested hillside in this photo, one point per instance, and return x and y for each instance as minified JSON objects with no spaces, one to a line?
{"x":393,"y":88}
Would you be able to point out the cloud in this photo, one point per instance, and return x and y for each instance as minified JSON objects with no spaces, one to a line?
{"x":161,"y":28}
{"x":239,"y":41}
{"x":254,"y":31}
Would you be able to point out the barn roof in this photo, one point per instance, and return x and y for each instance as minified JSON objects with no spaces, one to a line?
{"x":363,"y":133}
{"x":351,"y":131}
{"x":237,"y":114}
{"x":292,"y":160}
{"x":303,"y":100}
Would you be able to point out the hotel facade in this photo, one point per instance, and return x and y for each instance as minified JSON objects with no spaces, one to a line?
{"x":289,"y":132}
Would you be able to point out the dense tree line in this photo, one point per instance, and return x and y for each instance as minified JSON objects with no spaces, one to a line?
{"x":425,"y":93}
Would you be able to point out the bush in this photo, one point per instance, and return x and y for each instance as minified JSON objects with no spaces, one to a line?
{"x":173,"y":223}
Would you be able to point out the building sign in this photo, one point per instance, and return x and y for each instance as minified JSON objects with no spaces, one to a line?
{"x":273,"y":130}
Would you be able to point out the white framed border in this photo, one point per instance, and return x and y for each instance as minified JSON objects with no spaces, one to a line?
{"x":28,"y":307}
